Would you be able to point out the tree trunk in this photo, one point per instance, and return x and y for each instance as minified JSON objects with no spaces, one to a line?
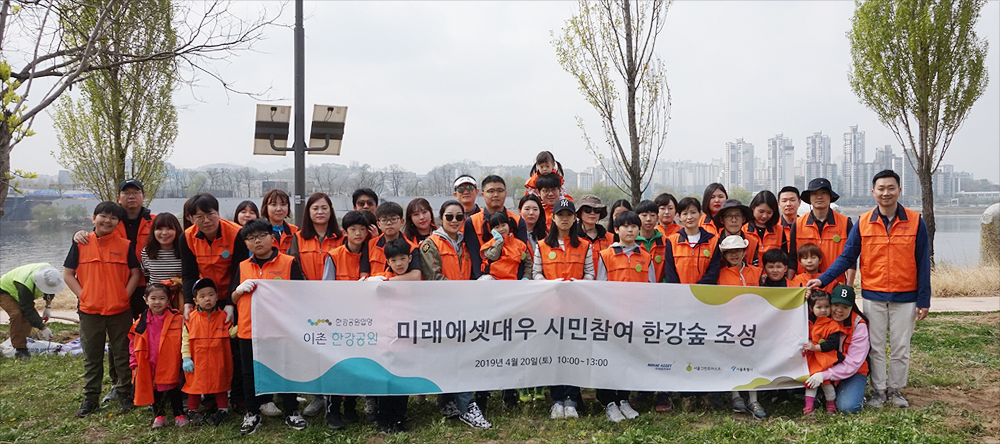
{"x":634,"y":173}
{"x":927,"y":202}
{"x":5,"y":138}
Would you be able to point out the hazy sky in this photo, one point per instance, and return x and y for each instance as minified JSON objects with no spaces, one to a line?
{"x":428,"y":83}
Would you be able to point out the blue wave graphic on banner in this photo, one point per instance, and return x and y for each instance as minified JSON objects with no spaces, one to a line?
{"x":353,"y":376}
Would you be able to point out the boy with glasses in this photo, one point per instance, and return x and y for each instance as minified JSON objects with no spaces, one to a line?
{"x":390,"y":222}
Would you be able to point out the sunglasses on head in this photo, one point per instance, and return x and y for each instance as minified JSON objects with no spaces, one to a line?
{"x":454,"y":217}
{"x":465,"y":189}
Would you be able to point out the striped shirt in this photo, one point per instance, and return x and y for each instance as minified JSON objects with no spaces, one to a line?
{"x":165,"y":266}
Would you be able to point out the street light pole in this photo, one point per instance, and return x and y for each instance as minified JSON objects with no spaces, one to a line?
{"x":299,"y":143}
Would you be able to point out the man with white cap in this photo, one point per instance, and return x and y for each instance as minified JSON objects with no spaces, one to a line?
{"x":18,"y":290}
{"x":466,"y":192}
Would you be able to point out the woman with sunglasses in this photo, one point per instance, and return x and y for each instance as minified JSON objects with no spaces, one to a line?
{"x":443,"y":257}
{"x":590,"y":212}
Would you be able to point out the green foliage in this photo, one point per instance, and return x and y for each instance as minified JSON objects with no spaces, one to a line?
{"x":47,"y":215}
{"x":76,"y":213}
{"x":608,"y":194}
{"x":741,"y":194}
{"x":123,"y":123}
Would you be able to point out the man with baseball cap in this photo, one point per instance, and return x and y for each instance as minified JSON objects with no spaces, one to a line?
{"x":18,"y":290}
{"x":823,"y":227}
{"x":466,"y":192}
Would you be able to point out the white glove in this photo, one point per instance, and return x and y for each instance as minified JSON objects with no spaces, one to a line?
{"x":246,"y":287}
{"x":376,"y":278}
{"x":46,"y":313}
{"x":815,"y":380}
{"x":486,"y":277}
{"x":45,"y":333}
{"x":229,"y":313}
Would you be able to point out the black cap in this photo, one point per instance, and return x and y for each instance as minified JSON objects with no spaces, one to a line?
{"x":129,"y":183}
{"x":817,"y":184}
{"x":842,"y":294}
{"x":203,"y":283}
{"x":564,"y":204}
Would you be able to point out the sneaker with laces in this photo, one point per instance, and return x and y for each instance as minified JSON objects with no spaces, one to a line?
{"x":314,"y":408}
{"x":613,"y":413}
{"x":86,"y":407}
{"x":569,"y":412}
{"x":663,"y":402}
{"x":831,"y":406}
{"x":757,"y":410}
{"x":739,"y":406}
{"x":269,"y":409}
{"x":335,"y":421}
{"x":217,"y":417}
{"x":111,"y":396}
{"x":897,"y":398}
{"x":627,"y":411}
{"x":558,"y":411}
{"x":159,"y":422}
{"x":474,"y":418}
{"x":450,"y":410}
{"x":194,"y":417}
{"x":250,"y":424}
{"x":125,"y":406}
{"x":808,"y":410}
{"x":877,"y":400}
{"x":295,"y":421}
{"x":181,"y":421}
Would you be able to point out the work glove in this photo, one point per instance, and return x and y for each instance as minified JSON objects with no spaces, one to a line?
{"x":246,"y":287}
{"x":374,"y":278}
{"x":45,"y":333}
{"x":496,"y":235}
{"x":486,"y":277}
{"x":46,"y":313}
{"x":188,"y":365}
{"x":815,"y":380}
{"x":229,"y":313}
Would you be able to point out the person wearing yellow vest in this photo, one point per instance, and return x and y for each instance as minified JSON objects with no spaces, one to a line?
{"x":851,"y":373}
{"x":824,"y":227}
{"x":155,"y":356}
{"x":18,"y":290}
{"x":102,"y":274}
{"x":443,"y":257}
{"x":265,"y":262}
{"x":894,"y":249}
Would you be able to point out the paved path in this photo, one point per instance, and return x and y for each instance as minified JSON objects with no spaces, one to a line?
{"x":938,"y":305}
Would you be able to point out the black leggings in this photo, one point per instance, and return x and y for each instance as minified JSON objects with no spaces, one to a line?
{"x":174,"y":395}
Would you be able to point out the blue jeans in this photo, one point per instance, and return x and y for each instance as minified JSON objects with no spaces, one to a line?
{"x":851,"y":393}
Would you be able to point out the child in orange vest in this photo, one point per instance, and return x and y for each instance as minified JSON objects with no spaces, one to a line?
{"x":208,"y":358}
{"x":102,"y":274}
{"x":823,"y":349}
{"x":390,"y":222}
{"x":545,"y":163}
{"x":624,"y":261}
{"x":810,"y":257}
{"x":505,"y":257}
{"x":265,"y":262}
{"x":155,"y":354}
{"x":775,"y":264}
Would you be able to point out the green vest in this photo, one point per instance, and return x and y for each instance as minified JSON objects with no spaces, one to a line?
{"x":24,"y":274}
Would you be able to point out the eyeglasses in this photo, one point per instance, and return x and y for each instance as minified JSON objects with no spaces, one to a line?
{"x":258,"y":238}
{"x":454,"y":217}
{"x":131,"y":193}
{"x":208,"y":216}
{"x":365,"y":203}
{"x":465,"y":189}
{"x":389,"y":220}
{"x":588,"y":210}
{"x":548,"y":190}
{"x":732,"y":216}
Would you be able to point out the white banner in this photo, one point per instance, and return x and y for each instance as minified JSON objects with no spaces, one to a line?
{"x":381,"y":338}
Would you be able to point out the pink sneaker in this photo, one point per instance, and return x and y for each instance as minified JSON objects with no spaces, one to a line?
{"x":180,"y":421}
{"x":831,"y":406}
{"x":159,"y":422}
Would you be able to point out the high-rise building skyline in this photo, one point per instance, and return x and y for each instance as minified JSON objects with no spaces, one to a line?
{"x":780,"y":162}
{"x":853,"y":165}
{"x":739,"y":165}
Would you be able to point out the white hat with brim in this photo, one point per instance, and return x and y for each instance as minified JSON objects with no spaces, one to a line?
{"x":733,"y":243}
{"x":48,"y":280}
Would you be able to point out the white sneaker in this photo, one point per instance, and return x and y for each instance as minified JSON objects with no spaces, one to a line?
{"x":628,"y":411}
{"x":614,"y":414}
{"x":317,"y":405}
{"x":558,"y":411}
{"x":474,"y":418}
{"x":569,"y":412}
{"x":269,"y":409}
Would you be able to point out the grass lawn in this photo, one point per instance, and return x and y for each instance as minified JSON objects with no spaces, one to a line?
{"x":954,"y":391}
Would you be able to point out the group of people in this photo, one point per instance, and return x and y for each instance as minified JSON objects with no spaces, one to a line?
{"x":173,"y":296}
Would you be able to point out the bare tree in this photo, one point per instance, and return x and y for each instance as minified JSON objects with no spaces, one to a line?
{"x":39,"y":61}
{"x":214,"y":175}
{"x":396,"y":176}
{"x":245,"y":176}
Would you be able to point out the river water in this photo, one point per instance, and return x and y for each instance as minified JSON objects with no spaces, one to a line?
{"x":956,"y":243}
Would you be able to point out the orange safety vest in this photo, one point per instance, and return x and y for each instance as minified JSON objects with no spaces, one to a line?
{"x":477,"y":221}
{"x":312,"y":254}
{"x":831,"y":241}
{"x":565,"y":262}
{"x":214,"y":258}
{"x":669,"y":229}
{"x":288,"y":233}
{"x":772,"y":240}
{"x":208,"y":341}
{"x":626,"y":268}
{"x":657,"y":255}
{"x":600,"y":243}
{"x":818,"y":331}
{"x":691,"y":263}
{"x":168,"y":365}
{"x":376,"y":253}
{"x":745,"y":276}
{"x":709,"y":225}
{"x":455,"y":266}
{"x":280,"y":267}
{"x":142,"y":234}
{"x":103,"y":273}
{"x":887,"y":257}
{"x":348,"y":264}
{"x":801,"y":279}
{"x":855,"y":320}
{"x":749,"y":256}
{"x":505,"y":268}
